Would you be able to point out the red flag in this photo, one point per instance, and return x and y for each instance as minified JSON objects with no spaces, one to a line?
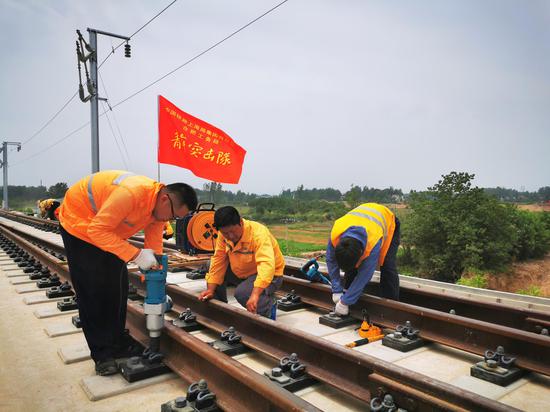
{"x":190,"y":143}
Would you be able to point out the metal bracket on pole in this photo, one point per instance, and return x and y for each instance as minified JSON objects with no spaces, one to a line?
{"x":93,"y":88}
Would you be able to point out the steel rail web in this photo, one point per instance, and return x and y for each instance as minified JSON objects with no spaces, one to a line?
{"x":192,"y":359}
{"x":531,"y":350}
{"x":526,"y":319}
{"x":347,"y":370}
{"x":425,"y":393}
{"x":503,"y":314}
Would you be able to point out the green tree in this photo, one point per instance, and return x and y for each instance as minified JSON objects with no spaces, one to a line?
{"x":58,"y":190}
{"x":353,"y":196}
{"x":454,"y":226}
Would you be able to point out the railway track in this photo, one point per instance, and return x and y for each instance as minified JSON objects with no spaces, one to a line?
{"x":352,"y":372}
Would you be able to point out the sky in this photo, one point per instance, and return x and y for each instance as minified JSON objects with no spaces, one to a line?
{"x":323,"y":93}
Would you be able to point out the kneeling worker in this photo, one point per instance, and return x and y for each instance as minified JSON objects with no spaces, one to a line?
{"x":248,"y":254}
{"x":98,"y":215}
{"x":362,"y":239}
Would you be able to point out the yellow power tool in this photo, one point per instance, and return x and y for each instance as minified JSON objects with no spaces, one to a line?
{"x":369,"y":332}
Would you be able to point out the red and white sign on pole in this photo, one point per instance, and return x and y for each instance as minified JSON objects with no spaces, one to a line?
{"x":193,"y":144}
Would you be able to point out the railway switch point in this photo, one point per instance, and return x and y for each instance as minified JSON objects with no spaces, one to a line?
{"x":230,"y":343}
{"x":336,"y":321}
{"x":187,"y":321}
{"x":290,"y":301}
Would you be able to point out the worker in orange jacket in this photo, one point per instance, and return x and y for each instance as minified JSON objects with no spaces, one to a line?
{"x":246,"y":254}
{"x":99,"y":213}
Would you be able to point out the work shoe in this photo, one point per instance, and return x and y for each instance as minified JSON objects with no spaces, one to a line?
{"x":106,"y":367}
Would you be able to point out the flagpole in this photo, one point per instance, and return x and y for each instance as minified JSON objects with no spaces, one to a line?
{"x":158,"y":140}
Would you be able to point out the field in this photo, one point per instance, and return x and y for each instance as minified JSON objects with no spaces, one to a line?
{"x":301,"y":239}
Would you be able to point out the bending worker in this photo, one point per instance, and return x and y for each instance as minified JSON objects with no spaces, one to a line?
{"x":246,"y":254}
{"x":99,"y":213}
{"x":48,"y":208}
{"x":362,"y":239}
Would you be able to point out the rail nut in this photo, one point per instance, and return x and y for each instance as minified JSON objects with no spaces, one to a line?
{"x":180,"y":402}
{"x":276,"y":372}
{"x":491,"y":363}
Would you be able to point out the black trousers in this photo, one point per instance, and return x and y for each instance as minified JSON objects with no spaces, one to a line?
{"x":100,"y":280}
{"x":389,"y":278}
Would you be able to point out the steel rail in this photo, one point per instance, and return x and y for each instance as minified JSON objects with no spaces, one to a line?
{"x":532,"y":351}
{"x":352,"y":372}
{"x":524,"y":319}
{"x":502,"y":314}
{"x":236,"y":386}
{"x":192,"y":359}
{"x":497,"y":313}
{"x":322,"y":357}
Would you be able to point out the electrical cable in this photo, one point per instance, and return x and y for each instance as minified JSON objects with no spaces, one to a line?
{"x":134,"y":33}
{"x":200,"y":54}
{"x":114,"y":120}
{"x":116,"y":140}
{"x":156,"y":81}
{"x":51,"y":119}
{"x":51,"y":146}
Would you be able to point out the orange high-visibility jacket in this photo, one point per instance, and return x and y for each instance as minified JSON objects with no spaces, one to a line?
{"x":108,"y":207}
{"x":256,"y":253}
{"x":378,"y":221}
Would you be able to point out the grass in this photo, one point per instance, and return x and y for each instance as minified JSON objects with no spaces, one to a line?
{"x":531,"y":290}
{"x":479,"y":280}
{"x":293,"y":248}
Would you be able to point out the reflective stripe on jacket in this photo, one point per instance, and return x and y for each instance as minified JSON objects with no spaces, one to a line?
{"x":378,"y":221}
{"x":108,"y":207}
{"x":256,"y":252}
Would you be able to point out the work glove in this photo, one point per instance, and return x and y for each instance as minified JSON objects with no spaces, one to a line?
{"x":336,"y":297}
{"x":146,"y":259}
{"x":341,"y":309}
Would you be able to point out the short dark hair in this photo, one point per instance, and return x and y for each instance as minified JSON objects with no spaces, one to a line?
{"x":185,"y":194}
{"x":226,"y":216}
{"x":348,"y":252}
